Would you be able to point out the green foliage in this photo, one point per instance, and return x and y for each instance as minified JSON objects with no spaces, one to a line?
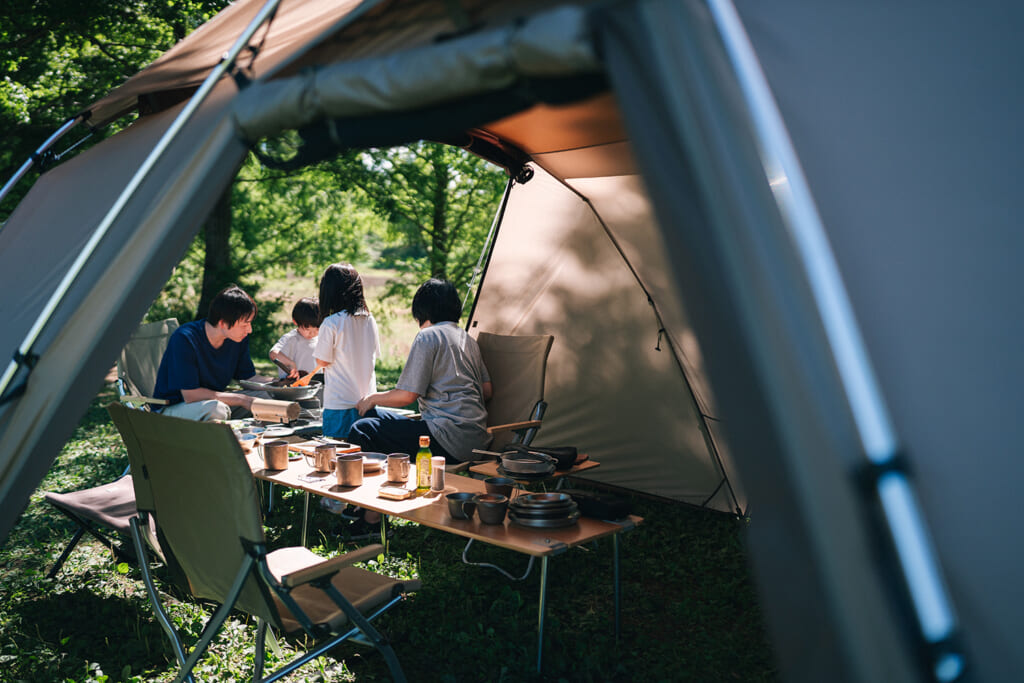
{"x":689,"y":611}
{"x":57,"y":56}
{"x":439,"y":202}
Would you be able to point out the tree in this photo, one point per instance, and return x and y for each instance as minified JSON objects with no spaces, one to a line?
{"x":57,"y":56}
{"x":439,"y":202}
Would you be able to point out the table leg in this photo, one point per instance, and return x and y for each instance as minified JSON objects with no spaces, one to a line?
{"x":384,"y":532}
{"x":540,"y":610}
{"x":305,"y":518}
{"x":618,"y":597}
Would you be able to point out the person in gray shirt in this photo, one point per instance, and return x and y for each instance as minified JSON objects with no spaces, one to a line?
{"x":444,"y":374}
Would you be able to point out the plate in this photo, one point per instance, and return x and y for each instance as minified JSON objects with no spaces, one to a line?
{"x":543,"y":499}
{"x":555,"y":523}
{"x":523,"y":476}
{"x":372,"y":462}
{"x":557,"y":513}
{"x":278,"y":432}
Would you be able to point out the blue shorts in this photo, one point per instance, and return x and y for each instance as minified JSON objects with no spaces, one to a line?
{"x":338,"y":422}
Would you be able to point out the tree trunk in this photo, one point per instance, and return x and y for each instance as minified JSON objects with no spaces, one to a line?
{"x":439,"y":237}
{"x":217,"y":269}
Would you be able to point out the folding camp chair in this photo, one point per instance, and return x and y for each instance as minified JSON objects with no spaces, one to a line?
{"x":215,"y":534}
{"x":139,"y":361}
{"x":104,"y":511}
{"x":517,"y":365}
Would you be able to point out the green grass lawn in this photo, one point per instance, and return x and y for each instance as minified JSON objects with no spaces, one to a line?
{"x":689,"y":609}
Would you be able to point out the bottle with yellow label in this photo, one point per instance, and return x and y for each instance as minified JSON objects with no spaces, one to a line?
{"x":423,"y":465}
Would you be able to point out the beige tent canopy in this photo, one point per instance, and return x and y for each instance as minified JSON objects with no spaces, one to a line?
{"x":778,"y":239}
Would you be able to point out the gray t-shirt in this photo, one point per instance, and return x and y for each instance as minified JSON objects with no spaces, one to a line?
{"x":445,"y":368}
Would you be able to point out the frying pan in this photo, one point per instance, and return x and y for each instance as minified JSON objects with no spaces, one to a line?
{"x":282,"y":393}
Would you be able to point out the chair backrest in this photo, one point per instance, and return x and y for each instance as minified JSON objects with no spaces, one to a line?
{"x":194,"y":479}
{"x":140,"y":358}
{"x":517,"y":365}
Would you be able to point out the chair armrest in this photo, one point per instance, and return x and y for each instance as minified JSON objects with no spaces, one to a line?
{"x":331,"y":566}
{"x":513,"y":427}
{"x":136,"y":401}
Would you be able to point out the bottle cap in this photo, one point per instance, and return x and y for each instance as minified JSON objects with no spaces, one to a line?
{"x":424,"y":441}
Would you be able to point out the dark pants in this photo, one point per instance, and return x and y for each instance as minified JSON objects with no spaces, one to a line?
{"x":385,"y":432}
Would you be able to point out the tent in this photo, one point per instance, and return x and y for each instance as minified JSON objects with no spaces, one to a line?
{"x":775,"y":242}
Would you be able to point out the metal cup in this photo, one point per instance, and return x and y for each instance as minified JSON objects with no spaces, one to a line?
{"x":461,"y":505}
{"x":323,"y":457}
{"x":502,"y":485}
{"x":398,"y":468}
{"x":275,"y":455}
{"x":350,"y":469}
{"x":491,"y":507}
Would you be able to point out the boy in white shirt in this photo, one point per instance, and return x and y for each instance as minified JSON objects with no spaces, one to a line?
{"x":296,"y":348}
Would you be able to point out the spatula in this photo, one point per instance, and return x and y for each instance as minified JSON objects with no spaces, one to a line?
{"x":304,"y":380}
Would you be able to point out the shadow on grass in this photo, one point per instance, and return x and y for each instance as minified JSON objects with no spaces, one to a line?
{"x":118,"y":635}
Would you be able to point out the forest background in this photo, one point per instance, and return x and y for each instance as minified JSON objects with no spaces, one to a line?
{"x":399,"y":215}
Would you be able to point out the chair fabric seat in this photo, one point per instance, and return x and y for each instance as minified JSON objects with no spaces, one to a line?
{"x":110,"y":505}
{"x":366,"y":590}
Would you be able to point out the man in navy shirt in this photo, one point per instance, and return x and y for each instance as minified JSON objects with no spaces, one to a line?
{"x":204,"y":356}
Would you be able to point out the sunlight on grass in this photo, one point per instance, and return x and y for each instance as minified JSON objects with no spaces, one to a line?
{"x":682,"y":570}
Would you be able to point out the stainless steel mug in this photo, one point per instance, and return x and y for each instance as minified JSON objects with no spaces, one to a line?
{"x":398,"y":468}
{"x":275,"y":455}
{"x":350,"y":469}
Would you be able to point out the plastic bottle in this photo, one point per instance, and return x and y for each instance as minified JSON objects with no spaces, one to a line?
{"x":423,"y":465}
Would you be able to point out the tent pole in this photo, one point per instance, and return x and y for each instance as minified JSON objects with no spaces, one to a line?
{"x":922,"y":574}
{"x":24,"y":352}
{"x":487,"y":249}
{"x":38,"y":154}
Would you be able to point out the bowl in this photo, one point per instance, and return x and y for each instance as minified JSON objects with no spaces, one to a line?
{"x":248,"y":442}
{"x":502,"y":485}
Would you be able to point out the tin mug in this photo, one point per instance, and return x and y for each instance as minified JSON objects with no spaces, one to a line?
{"x":398,"y":468}
{"x":323,"y":458}
{"x":350,"y":469}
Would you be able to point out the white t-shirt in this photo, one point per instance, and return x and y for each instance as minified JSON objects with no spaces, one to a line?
{"x":299,"y":349}
{"x":350,"y":344}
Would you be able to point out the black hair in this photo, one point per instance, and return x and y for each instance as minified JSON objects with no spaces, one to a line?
{"x":341,"y":289}
{"x":437,"y":301}
{"x":230,"y":305}
{"x":306,"y":312}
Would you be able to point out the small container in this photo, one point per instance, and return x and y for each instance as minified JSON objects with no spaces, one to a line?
{"x":436,"y":473}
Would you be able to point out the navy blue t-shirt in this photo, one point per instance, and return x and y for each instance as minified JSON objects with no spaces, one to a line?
{"x":190,"y":362}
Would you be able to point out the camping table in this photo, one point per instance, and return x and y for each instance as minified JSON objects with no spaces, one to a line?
{"x":432,"y":510}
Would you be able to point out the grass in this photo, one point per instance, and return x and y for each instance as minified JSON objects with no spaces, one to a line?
{"x":689,"y":609}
